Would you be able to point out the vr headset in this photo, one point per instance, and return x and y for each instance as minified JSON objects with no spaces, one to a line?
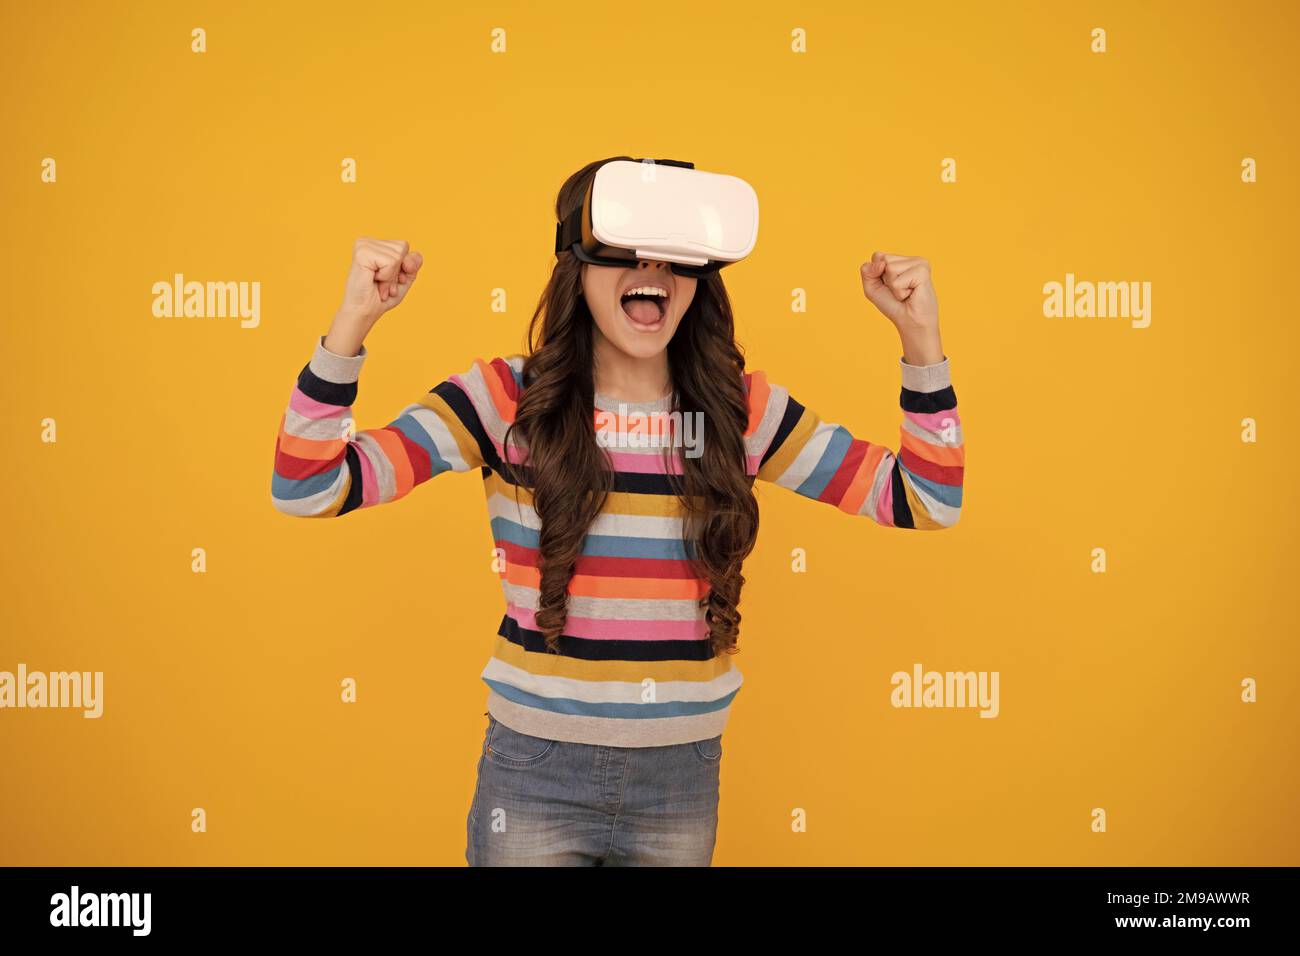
{"x":662,"y":209}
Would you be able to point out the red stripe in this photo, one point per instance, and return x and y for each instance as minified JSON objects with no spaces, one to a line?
{"x":421,"y":465}
{"x":943,"y":474}
{"x":291,"y":466}
{"x":507,"y":376}
{"x":606,"y":566}
{"x":839,"y":483}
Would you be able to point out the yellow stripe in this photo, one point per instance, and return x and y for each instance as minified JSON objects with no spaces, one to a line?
{"x":553,"y":665}
{"x":333,"y":510}
{"x":620,"y":502}
{"x":465,"y":442}
{"x":920,"y":514}
{"x":803,"y":430}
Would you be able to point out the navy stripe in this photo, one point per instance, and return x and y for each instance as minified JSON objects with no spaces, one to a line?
{"x":902,"y":511}
{"x":327,"y":393}
{"x":623,"y":481}
{"x":940,"y":401}
{"x":353,"y":501}
{"x":588,"y":650}
{"x":793,"y":412}
{"x":455,"y":396}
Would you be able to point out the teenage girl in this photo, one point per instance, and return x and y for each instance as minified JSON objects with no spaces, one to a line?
{"x":620,"y":553}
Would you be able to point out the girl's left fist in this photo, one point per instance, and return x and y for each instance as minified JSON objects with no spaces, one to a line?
{"x":900,"y":287}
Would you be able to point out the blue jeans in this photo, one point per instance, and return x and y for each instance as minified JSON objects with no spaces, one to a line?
{"x":543,"y":802}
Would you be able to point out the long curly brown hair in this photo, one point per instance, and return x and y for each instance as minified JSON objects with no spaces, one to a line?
{"x":568,"y":471}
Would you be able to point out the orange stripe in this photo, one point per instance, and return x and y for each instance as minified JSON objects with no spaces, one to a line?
{"x":939,"y":454}
{"x":310,"y":449}
{"x":860,"y":486}
{"x":522,"y":575}
{"x":395,"y":452}
{"x":505,"y":406}
{"x":586,"y":585}
{"x":759,"y":391}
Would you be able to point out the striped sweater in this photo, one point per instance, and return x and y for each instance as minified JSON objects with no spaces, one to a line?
{"x":634,"y":668}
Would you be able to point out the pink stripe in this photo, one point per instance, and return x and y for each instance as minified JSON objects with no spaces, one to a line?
{"x":651,"y":463}
{"x":934,"y":421}
{"x":647,"y":461}
{"x":654,"y":423}
{"x":602,"y":630}
{"x":311,"y":408}
{"x":642,"y":463}
{"x":369,"y":486}
{"x":885,"y":506}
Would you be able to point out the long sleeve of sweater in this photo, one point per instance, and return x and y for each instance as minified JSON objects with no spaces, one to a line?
{"x":326,"y":467}
{"x":918,"y":486}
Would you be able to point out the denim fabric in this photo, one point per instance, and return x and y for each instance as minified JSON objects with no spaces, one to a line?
{"x":541,"y":802}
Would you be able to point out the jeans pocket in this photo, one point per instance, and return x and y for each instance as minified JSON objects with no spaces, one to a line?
{"x":709,"y":750}
{"x":512,"y":749}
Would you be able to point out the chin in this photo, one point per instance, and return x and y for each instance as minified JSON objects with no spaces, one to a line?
{"x":644,"y":346}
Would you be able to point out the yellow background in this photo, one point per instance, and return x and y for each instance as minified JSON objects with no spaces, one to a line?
{"x":222,"y":689}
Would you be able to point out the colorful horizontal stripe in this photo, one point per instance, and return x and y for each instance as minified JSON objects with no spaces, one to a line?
{"x":920,"y":486}
{"x":635,"y":667}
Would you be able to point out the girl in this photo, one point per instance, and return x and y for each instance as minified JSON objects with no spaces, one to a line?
{"x":611,"y":681}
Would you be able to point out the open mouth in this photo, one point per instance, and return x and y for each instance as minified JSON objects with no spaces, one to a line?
{"x":645,"y":307}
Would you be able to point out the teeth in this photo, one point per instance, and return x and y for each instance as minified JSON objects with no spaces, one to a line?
{"x":647,"y":290}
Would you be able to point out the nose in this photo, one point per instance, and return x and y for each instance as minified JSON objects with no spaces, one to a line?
{"x":651,"y":264}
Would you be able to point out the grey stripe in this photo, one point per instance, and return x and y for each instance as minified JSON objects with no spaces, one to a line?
{"x":930,"y":436}
{"x":318,"y":429}
{"x":884,"y":469}
{"x":926,"y":378}
{"x":613,"y":609}
{"x":757,"y":442}
{"x":340,"y":369}
{"x":379,"y":462}
{"x":668,"y":527}
{"x":607,"y":731}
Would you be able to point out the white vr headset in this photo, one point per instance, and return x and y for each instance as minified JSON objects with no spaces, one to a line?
{"x":662,"y":209}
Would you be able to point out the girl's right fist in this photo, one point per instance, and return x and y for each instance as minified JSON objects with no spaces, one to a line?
{"x":381,"y":274}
